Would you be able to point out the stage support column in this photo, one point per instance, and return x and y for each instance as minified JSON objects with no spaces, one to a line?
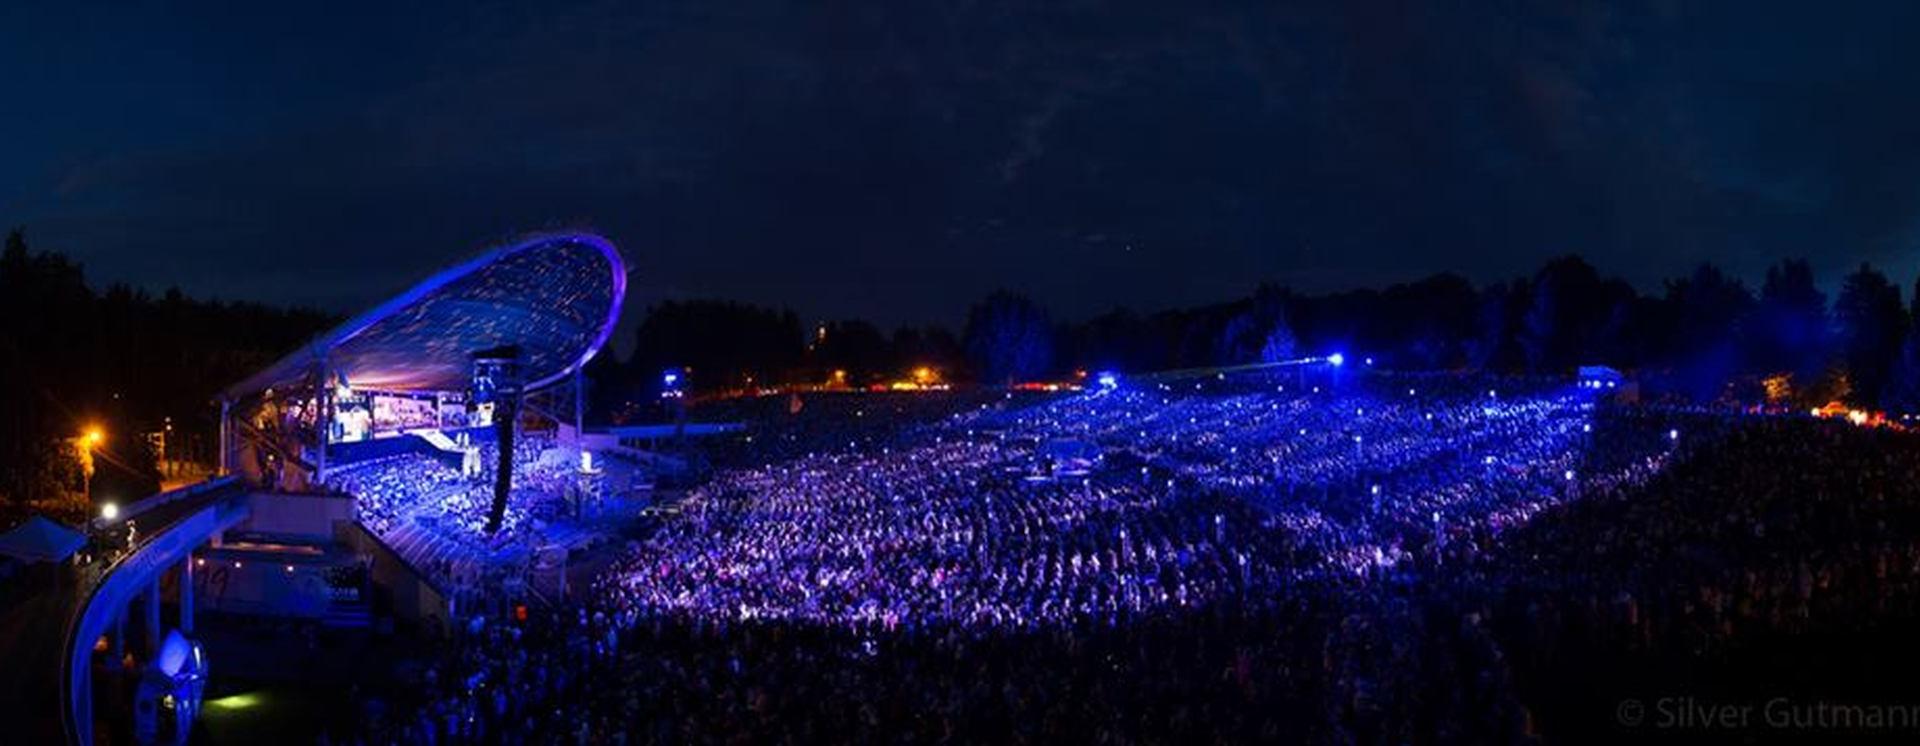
{"x":226,"y":436}
{"x":186,"y":595}
{"x":579,"y":438}
{"x":323,"y":418}
{"x":580,"y":408}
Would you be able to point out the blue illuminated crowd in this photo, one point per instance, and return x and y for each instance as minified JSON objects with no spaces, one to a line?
{"x":436,"y":516}
{"x":964,"y":526}
{"x":1225,"y":559}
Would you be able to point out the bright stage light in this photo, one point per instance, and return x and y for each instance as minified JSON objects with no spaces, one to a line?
{"x":1108,"y":380}
{"x":1337,"y":359}
{"x":109,"y":511}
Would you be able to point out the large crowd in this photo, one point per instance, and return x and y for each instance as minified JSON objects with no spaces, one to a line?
{"x":425,"y":492}
{"x":1199,"y":559}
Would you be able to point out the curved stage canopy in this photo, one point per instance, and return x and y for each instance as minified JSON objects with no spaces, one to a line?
{"x":555,"y":296}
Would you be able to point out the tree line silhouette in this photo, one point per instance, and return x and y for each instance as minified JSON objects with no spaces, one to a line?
{"x":1706,"y":336}
{"x":120,"y":360}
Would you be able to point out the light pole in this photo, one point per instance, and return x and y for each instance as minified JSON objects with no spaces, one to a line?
{"x":89,"y":440}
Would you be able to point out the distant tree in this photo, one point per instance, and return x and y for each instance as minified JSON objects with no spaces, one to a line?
{"x":1426,"y":324}
{"x":1270,"y":317}
{"x":1280,"y":345}
{"x":1871,"y":324}
{"x":1008,"y":338}
{"x":857,"y":347}
{"x":613,"y":393}
{"x":1115,"y":340}
{"x":1495,"y":344}
{"x":726,"y":344}
{"x":1706,"y":309}
{"x":1903,"y":390}
{"x":933,"y":347}
{"x":1567,"y":315}
{"x":1543,"y":333}
{"x":1787,"y":332}
{"x":46,"y":325}
{"x":1239,"y":340}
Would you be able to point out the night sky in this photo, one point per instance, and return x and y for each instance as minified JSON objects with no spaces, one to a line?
{"x":896,"y":160}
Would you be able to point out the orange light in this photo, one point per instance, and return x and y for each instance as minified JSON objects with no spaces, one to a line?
{"x":94,"y":436}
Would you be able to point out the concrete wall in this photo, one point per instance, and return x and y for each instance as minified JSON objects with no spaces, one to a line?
{"x":257,"y":583}
{"x":310,"y":517}
{"x":412,"y":596}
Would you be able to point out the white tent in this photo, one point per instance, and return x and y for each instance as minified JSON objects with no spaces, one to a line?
{"x":40,"y":540}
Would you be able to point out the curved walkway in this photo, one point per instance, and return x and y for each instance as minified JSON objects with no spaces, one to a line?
{"x":46,"y":638}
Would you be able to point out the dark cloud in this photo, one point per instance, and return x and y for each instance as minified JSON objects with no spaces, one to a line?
{"x":895,"y":161}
